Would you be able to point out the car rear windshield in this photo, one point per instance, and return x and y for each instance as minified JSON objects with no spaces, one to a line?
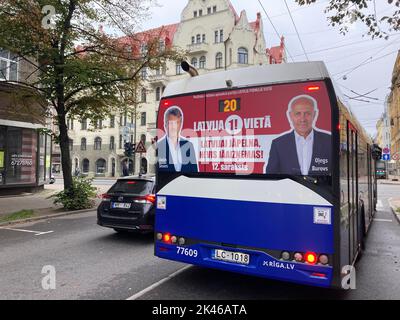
{"x":139,"y":187}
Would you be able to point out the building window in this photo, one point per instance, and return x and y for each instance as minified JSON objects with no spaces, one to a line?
{"x":71,"y":144}
{"x":100,"y":166}
{"x":178,"y":68}
{"x":221,"y":35}
{"x":243,"y":57}
{"x":200,"y":13}
{"x":143,"y":119}
{"x":203,"y":38}
{"x":112,"y":122}
{"x":214,"y":9}
{"x":83,"y":144}
{"x":198,"y":38}
{"x":98,"y":124}
{"x":218,"y":60}
{"x":194,"y":62}
{"x":120,"y":141}
{"x":8,"y":66}
{"x":193,"y":40}
{"x":143,"y":73}
{"x":97,"y":143}
{"x":195,"y":14}
{"x":112,"y":143}
{"x":158,"y":94}
{"x":143,"y":165}
{"x":70,"y":124}
{"x":84,"y":124}
{"x":143,"y":138}
{"x":85,"y":166}
{"x":209,"y":10}
{"x":161,"y":46}
{"x":216,"y":36}
{"x":143,"y":95}
{"x":202,"y":62}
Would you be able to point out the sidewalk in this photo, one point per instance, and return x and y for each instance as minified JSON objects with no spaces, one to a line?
{"x":38,"y":202}
{"x":395,"y":206}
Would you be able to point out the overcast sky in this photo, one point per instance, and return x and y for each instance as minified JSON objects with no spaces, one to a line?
{"x":321,"y":42}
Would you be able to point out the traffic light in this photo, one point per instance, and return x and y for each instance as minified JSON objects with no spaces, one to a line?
{"x":129,"y":149}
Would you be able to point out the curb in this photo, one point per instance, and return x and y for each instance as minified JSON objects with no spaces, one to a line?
{"x":61,"y":214}
{"x":397,"y":216}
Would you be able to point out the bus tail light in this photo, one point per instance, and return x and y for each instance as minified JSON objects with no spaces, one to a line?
{"x":298,"y":257}
{"x":182,"y":241}
{"x":313,"y":88}
{"x":159,"y":236}
{"x":311,"y":257}
{"x":323,"y":259}
{"x":167,"y":237}
{"x":318,"y":275}
{"x":285,"y":255}
{"x":174,"y":239}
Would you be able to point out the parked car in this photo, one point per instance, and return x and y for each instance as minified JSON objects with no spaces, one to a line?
{"x":129,"y":205}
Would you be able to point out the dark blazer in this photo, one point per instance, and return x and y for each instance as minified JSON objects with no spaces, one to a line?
{"x":283,"y":155}
{"x":189,"y":161}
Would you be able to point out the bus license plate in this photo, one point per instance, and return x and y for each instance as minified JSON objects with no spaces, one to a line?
{"x":236,"y":257}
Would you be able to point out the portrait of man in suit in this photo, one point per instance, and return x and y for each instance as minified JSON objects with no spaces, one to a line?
{"x":175,"y":153}
{"x":305,"y":150}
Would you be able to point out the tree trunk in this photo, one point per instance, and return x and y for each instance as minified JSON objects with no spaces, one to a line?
{"x":65,"y":152}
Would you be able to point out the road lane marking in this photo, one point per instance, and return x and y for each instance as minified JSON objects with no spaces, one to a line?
{"x":383,"y":220}
{"x":155,"y":285}
{"x":37,"y":233}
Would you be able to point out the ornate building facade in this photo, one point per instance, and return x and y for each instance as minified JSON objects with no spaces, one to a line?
{"x":216,"y":38}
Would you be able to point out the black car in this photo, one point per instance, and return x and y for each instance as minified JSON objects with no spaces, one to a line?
{"x":129,"y":205}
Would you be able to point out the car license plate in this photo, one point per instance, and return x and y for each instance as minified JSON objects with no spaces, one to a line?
{"x":120,"y":205}
{"x":236,"y":257}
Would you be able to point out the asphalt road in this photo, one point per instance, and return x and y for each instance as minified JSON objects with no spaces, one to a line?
{"x":92,"y":262}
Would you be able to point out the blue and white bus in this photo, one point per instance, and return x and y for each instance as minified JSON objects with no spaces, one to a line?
{"x":263,"y":171}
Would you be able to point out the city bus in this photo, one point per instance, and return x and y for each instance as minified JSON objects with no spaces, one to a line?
{"x":381,"y":169}
{"x":263,"y":171}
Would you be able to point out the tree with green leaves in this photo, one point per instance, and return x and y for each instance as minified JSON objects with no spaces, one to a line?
{"x":79,"y":70}
{"x":345,"y":12}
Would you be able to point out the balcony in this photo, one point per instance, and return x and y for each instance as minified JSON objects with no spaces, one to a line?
{"x":158,"y":79}
{"x":198,"y":47}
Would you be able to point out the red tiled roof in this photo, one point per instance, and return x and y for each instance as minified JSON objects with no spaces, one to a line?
{"x":276,"y":54}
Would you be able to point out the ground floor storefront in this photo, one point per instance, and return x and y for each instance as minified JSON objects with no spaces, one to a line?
{"x":25,"y":157}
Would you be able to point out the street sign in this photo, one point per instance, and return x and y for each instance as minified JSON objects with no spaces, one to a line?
{"x":396,"y":156}
{"x":386,"y":150}
{"x":140,"y":148}
{"x":386,"y":157}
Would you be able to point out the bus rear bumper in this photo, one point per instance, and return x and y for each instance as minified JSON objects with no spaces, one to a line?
{"x":261,"y":264}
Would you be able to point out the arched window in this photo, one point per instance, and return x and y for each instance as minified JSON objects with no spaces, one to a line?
{"x":85,"y":166}
{"x":112,"y":143}
{"x":218,"y":60}
{"x":83,"y":144}
{"x":97,"y":143}
{"x":144,"y":95}
{"x":193,"y":62}
{"x":100,"y":166}
{"x":198,"y":38}
{"x":243,"y":56}
{"x":202,"y":62}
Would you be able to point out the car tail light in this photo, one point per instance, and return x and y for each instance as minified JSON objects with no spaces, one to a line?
{"x":105,"y":197}
{"x":311,"y":257}
{"x":149,"y":198}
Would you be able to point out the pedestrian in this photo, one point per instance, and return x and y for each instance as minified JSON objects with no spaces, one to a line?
{"x":77,"y":172}
{"x":125,"y":168}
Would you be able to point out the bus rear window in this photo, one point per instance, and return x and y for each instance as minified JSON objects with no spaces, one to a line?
{"x":277,"y":129}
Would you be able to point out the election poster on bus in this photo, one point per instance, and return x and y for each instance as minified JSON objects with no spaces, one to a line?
{"x":279,"y":129}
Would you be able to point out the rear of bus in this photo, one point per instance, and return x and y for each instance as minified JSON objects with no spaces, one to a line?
{"x":232,"y":192}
